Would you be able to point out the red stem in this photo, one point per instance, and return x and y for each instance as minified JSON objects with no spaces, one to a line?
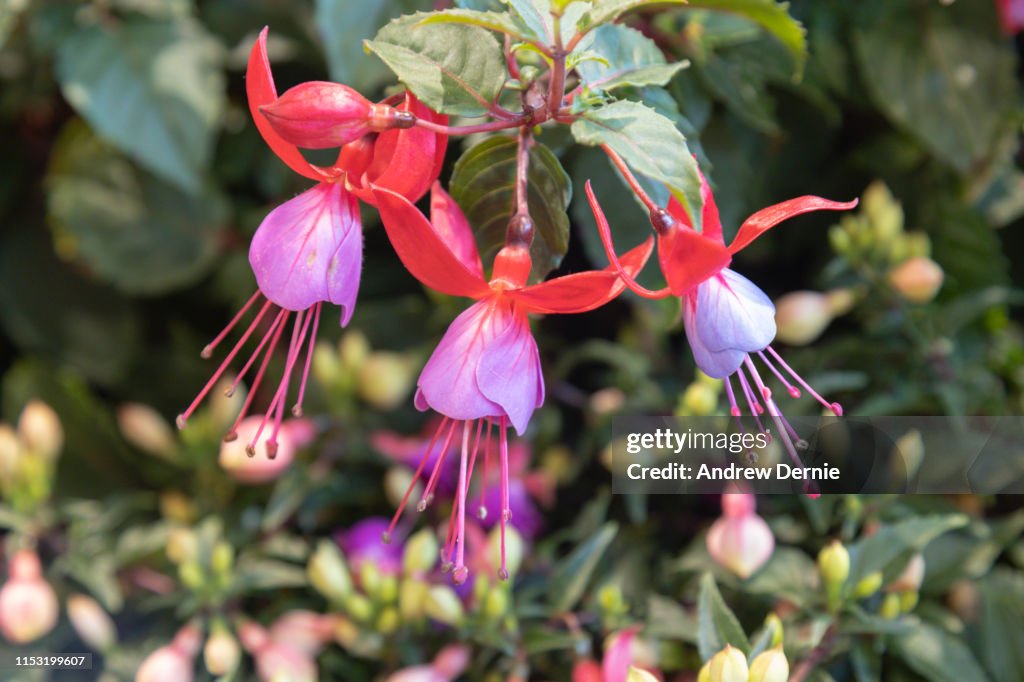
{"x":631,"y":180}
{"x":471,"y":129}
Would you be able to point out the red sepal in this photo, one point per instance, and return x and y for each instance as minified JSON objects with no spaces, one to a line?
{"x":767,"y":218}
{"x":260,"y":90}
{"x":688,"y":258}
{"x":582,"y":291}
{"x":422,"y":251}
{"x":710,"y":222}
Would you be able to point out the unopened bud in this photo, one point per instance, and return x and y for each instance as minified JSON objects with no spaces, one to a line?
{"x":496,"y":603}
{"x":385,"y":379}
{"x":705,"y":673}
{"x":92,"y":624}
{"x":698,"y":400}
{"x":834,"y":563}
{"x":191,"y":575}
{"x":388,"y":621}
{"x":868,"y":585}
{"x":320,"y":115}
{"x":917,"y":280}
{"x":728,"y":665}
{"x":801,"y":317}
{"x":40,"y":431}
{"x":10,"y":452}
{"x":28,"y":604}
{"x":412,"y":599}
{"x":443,"y":605}
{"x":890,"y":607}
{"x":741,"y":544}
{"x":181,"y":545}
{"x":520,"y":231}
{"x":177,"y":507}
{"x":770,"y":666}
{"x":222,"y":653}
{"x":774,"y":624}
{"x":358,"y":606}
{"x":611,"y":600}
{"x":223,"y":558}
{"x":328,"y":571}
{"x":908,"y":600}
{"x":143,"y":427}
{"x":662,"y":221}
{"x":268,"y":459}
{"x":353,"y":349}
{"x":420,"y":554}
{"x":303,"y":630}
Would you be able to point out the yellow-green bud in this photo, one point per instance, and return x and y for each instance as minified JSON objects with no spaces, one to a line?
{"x":729,"y":665}
{"x":515,"y":548}
{"x":10,"y":452}
{"x":638,"y":675}
{"x":908,"y":600}
{"x":770,"y":666}
{"x":388,"y":621}
{"x":705,"y":673}
{"x":917,"y":280}
{"x":868,"y":585}
{"x":412,"y":598}
{"x":327,"y":365}
{"x":699,"y":399}
{"x":358,"y":606}
{"x":369,"y":578}
{"x":40,"y":431}
{"x":191,"y":575}
{"x":443,"y":605}
{"x":834,"y":563}
{"x":496,"y":602}
{"x":420,"y":552}
{"x":385,"y":379}
{"x":611,"y":599}
{"x":176,"y":506}
{"x":801,"y":317}
{"x":397,"y":481}
{"x":774,"y":624}
{"x":328,"y":571}
{"x":890,"y":606}
{"x":143,"y":427}
{"x":223,"y":558}
{"x":181,"y":545}
{"x":353,"y":350}
{"x":387,"y":591}
{"x":221,"y":653}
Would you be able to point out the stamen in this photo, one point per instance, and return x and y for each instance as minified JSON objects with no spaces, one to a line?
{"x":210,"y":347}
{"x":836,"y":408}
{"x":183,"y":417}
{"x":286,"y":380}
{"x":461,"y":572}
{"x":794,"y":392}
{"x":415,"y":477}
{"x":755,"y":407}
{"x":282,"y":387}
{"x":297,"y":408}
{"x":481,"y":511}
{"x":734,"y":409}
{"x":506,"y":513}
{"x":259,"y":348}
{"x":776,"y":415}
{"x":428,"y":493}
{"x":259,"y":378}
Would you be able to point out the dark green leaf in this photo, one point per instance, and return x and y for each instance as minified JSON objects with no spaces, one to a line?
{"x":1000,"y":641}
{"x":483,"y":184}
{"x":572,"y":574}
{"x":632,"y":59}
{"x":941,"y":72}
{"x":938,"y":655}
{"x":891,"y":543}
{"x":650,"y":143}
{"x":153,"y":87}
{"x":717,"y":625}
{"x":453,"y":68}
{"x":772,"y":16}
{"x":136,"y":232}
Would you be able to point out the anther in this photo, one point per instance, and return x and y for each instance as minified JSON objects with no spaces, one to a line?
{"x":385,"y":537}
{"x":460,"y":574}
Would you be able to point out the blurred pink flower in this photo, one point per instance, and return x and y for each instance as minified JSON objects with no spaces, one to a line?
{"x":28,"y":604}
{"x":251,"y":467}
{"x":172,"y":662}
{"x":447,"y":665}
{"x":740,"y":541}
{"x":1011,"y":15}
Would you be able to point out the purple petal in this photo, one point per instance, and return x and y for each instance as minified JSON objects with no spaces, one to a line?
{"x":509,"y":372}
{"x":310,"y":249}
{"x":717,"y":365}
{"x":734,"y":314}
{"x":362,"y":543}
{"x":448,"y":383}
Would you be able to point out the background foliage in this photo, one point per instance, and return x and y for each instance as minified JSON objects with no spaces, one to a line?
{"x":132,"y":179}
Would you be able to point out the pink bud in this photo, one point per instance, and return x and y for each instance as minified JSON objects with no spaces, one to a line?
{"x":451,"y":661}
{"x":322,"y":115}
{"x":260,"y":468}
{"x":587,"y":670}
{"x":416,"y":673}
{"x":304,"y":631}
{"x":172,"y":662}
{"x":283,"y":663}
{"x":28,"y":605}
{"x":917,"y":280}
{"x":740,"y":544}
{"x":735,"y":502}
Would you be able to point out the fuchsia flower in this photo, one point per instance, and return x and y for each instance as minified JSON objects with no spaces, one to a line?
{"x":308,"y":250}
{"x":486,"y":368}
{"x":728,"y":320}
{"x":361,"y":544}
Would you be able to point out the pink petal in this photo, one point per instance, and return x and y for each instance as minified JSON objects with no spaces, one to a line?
{"x":619,"y":656}
{"x":448,"y":383}
{"x":509,"y":373}
{"x":452,"y":227}
{"x":310,"y":249}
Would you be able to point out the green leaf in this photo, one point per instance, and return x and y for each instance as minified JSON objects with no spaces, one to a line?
{"x":502,"y":22}
{"x":605,"y":11}
{"x":343,"y":25}
{"x":941,"y":72}
{"x":537,"y":15}
{"x":883,"y":550}
{"x":572,"y":574}
{"x":772,"y":16}
{"x":717,"y":625}
{"x":153,"y":87}
{"x":453,"y":68}
{"x":650,"y":143}
{"x":140,"y":234}
{"x":1000,"y":641}
{"x":938,"y":655}
{"x":631,"y":58}
{"x":483,"y":184}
